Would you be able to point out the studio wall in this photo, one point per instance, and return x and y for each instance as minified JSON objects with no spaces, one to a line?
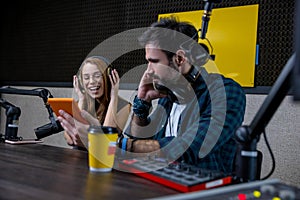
{"x":43,"y":42}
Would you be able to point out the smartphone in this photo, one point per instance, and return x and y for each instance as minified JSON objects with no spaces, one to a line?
{"x":61,"y":103}
{"x":69,"y":105}
{"x":24,"y":141}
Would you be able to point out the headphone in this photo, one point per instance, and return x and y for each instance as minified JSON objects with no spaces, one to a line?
{"x":196,"y":54}
{"x":205,"y":47}
{"x":107,"y":62}
{"x":108,"y":69}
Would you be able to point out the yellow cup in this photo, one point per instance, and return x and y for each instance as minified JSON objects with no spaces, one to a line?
{"x":101,"y":147}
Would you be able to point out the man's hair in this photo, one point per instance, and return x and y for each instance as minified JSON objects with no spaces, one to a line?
{"x":169,"y":34}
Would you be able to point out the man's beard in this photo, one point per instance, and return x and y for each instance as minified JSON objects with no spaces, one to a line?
{"x":170,"y":81}
{"x":176,"y":88}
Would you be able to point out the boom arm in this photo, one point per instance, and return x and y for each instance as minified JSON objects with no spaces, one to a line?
{"x":48,"y":129}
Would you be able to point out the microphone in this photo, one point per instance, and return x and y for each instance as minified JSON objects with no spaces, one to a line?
{"x":48,"y":129}
{"x":206,"y":16}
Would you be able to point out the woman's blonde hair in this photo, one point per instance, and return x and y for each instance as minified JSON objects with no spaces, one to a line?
{"x":97,"y":108}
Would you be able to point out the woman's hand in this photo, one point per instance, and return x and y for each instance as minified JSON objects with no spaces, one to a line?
{"x":115,"y":82}
{"x":77,"y":89}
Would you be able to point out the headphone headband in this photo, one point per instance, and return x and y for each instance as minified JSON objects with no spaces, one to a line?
{"x":107,"y":62}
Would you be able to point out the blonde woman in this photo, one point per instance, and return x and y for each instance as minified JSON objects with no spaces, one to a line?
{"x":96,"y":85}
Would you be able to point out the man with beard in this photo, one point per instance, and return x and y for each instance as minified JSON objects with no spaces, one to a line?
{"x":197,"y":112}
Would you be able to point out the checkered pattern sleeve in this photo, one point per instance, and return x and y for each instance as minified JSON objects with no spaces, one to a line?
{"x":207,"y":128}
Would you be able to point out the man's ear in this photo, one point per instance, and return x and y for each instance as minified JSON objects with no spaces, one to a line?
{"x":180,"y":57}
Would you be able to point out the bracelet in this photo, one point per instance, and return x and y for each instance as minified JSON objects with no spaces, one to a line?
{"x":124,"y":145}
{"x":119,"y":141}
{"x":141,"y":108}
{"x":132,"y":142}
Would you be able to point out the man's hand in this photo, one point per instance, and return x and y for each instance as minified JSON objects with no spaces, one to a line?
{"x":146,"y":90}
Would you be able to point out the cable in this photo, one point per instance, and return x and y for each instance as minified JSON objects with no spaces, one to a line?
{"x":272,"y":156}
{"x":211,"y":47}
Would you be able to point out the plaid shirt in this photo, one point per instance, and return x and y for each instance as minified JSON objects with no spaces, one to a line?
{"x":207,"y":125}
{"x":205,"y":131}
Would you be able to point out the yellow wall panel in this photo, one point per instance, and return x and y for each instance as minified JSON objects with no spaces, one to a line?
{"x":232,"y":32}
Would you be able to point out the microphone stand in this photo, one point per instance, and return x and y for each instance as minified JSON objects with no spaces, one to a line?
{"x":12,"y":120}
{"x":48,"y":129}
{"x":248,"y":136}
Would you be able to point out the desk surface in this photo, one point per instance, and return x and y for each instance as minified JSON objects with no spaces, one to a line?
{"x":36,"y":171}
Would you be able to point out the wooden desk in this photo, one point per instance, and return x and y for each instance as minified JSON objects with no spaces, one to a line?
{"x":36,"y":171}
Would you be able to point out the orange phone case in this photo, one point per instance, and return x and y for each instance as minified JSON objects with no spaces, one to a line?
{"x":68,"y":105}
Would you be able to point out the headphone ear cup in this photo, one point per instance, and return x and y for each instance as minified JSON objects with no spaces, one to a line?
{"x":109,"y":71}
{"x":199,"y":55}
